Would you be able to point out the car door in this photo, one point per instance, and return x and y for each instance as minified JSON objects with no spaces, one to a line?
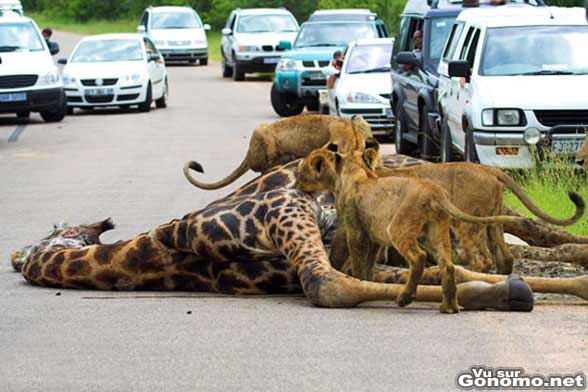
{"x":228,"y":40}
{"x":156,"y":68}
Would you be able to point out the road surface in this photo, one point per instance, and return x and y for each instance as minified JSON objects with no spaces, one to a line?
{"x":128,"y":167}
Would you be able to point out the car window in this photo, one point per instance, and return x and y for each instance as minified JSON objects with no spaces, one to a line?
{"x":400,"y":43}
{"x":266,"y":23}
{"x":466,"y":43}
{"x":471,"y":57}
{"x":416,"y":24}
{"x":175,"y":20}
{"x":439,"y":29}
{"x":149,"y":47}
{"x":108,"y":50}
{"x":452,"y":41}
{"x":368,"y":59}
{"x":19,"y":36}
{"x":145,"y":19}
{"x":232,"y":26}
{"x":326,"y":34}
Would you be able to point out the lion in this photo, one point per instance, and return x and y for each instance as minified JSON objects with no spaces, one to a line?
{"x":381,"y":212}
{"x":286,"y":140}
{"x":582,"y":154}
{"x":476,"y":190}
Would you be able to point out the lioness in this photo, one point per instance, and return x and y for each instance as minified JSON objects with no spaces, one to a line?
{"x":286,"y":140}
{"x":398,"y":212}
{"x":582,"y":154}
{"x":477,"y":190}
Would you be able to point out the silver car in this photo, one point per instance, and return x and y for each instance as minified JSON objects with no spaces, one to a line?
{"x":254,"y":40}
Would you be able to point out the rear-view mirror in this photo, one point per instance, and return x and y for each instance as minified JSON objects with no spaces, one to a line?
{"x":459,"y":69}
{"x":408,"y":58}
{"x":141,"y":29}
{"x":226,"y":31}
{"x":62,"y":61}
{"x":206,"y":27}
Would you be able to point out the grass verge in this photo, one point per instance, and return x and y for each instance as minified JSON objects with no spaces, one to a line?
{"x":112,"y":26}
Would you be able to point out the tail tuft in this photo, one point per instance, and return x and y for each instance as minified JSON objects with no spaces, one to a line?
{"x":577,"y":199}
{"x":196,"y":167}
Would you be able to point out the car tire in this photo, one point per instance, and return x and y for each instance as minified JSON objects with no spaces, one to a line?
{"x":56,"y":114}
{"x":313,"y":105}
{"x":284,"y":104}
{"x":162,"y":102}
{"x":238,"y":74}
{"x":70,"y":110}
{"x":447,"y":153}
{"x":146,"y":105}
{"x":427,"y":146}
{"x":402,"y":146}
{"x":470,"y":153}
{"x":227,"y":70}
{"x":23,"y":115}
{"x":203,"y":61}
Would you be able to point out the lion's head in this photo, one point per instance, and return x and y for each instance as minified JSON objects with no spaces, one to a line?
{"x":582,"y":154}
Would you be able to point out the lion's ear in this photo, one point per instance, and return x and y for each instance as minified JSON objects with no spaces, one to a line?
{"x":372,"y":143}
{"x":317,"y":164}
{"x":333,"y":147}
{"x":338,"y":159}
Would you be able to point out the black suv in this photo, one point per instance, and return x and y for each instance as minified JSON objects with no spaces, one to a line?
{"x":414,"y":72}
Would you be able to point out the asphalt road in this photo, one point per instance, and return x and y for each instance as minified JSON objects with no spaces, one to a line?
{"x":128,"y":166}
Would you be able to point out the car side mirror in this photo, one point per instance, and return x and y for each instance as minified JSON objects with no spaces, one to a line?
{"x":141,"y":29}
{"x":459,"y":69}
{"x":408,"y":58}
{"x":62,"y":61}
{"x":206,"y":27}
{"x":285,"y":45}
{"x":154,"y":57}
{"x":226,"y":31}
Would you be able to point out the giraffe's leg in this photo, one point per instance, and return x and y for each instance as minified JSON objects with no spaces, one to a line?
{"x":570,"y":253}
{"x":503,"y":255}
{"x":473,"y":242}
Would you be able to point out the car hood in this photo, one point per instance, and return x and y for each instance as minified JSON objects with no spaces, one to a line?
{"x":373,"y":83}
{"x":325,"y":53}
{"x":177,"y":35}
{"x":259,"y":39}
{"x":534,"y":92}
{"x":17,"y":63}
{"x":104,"y":70}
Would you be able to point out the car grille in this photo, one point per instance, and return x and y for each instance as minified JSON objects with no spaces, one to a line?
{"x":374,"y":117}
{"x":99,"y":99}
{"x":127,"y":97}
{"x":74,"y":99}
{"x":267,"y":48}
{"x":105,"y":82}
{"x":315,"y":63}
{"x":551,"y":118}
{"x":18,"y":81}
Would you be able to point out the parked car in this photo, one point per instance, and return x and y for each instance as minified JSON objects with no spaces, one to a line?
{"x":115,"y":70}
{"x":363,"y":86}
{"x":357,"y":14}
{"x":299,"y":75}
{"x":251,"y":40}
{"x":414,"y":71}
{"x":29,"y":79}
{"x":11,"y":6}
{"x":508,"y":78}
{"x":178,"y":33}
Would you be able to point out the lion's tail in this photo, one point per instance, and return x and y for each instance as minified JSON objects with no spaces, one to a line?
{"x":445,"y":205}
{"x":238,"y":172}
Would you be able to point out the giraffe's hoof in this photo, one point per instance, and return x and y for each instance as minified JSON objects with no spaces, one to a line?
{"x":518,"y":296}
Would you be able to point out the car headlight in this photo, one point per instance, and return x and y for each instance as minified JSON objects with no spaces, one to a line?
{"x":68,"y":80}
{"x":131,"y":78}
{"x":362,"y":98}
{"x":503,"y":117}
{"x":49,"y":78}
{"x":248,"y":48}
{"x":532,"y":136}
{"x":287,"y":64}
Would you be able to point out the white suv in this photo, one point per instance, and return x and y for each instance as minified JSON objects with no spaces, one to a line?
{"x":255,"y":39}
{"x":511,"y":77}
{"x":177,"y":32}
{"x":29,"y":79}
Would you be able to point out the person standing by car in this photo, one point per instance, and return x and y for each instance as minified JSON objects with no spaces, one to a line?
{"x":333,"y":69}
{"x":52,"y":45}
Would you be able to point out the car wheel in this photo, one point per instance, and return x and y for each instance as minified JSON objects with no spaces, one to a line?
{"x":162,"y":102}
{"x":70,"y":110}
{"x":427,"y":146}
{"x":204,"y":61}
{"x":447,"y":154}
{"x":238,"y":74}
{"x":23,"y":115}
{"x":227,"y":71}
{"x":402,"y":146}
{"x":470,"y":154}
{"x":284,"y":104}
{"x":146,"y":105}
{"x":313,"y":105}
{"x":56,"y":114}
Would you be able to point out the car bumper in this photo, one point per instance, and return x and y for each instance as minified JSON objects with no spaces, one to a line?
{"x":36,"y":101}
{"x":184,"y":54}
{"x":124,"y":95}
{"x":509,"y":149}
{"x":258,"y":63}
{"x":378,"y":115}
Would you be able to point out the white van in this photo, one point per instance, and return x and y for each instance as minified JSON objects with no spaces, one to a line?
{"x":29,"y":79}
{"x":511,"y":77}
{"x":10,"y":6}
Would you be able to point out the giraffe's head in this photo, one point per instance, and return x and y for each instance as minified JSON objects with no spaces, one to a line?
{"x":61,"y":236}
{"x":582,"y":155}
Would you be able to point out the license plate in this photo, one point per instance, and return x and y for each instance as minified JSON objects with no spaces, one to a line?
{"x":100,"y":91}
{"x":13,"y":97}
{"x":316,"y":76}
{"x":271,"y":60}
{"x":389,"y":113}
{"x":565,"y":146}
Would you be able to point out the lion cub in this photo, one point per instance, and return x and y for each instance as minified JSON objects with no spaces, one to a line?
{"x":385,"y":212}
{"x":582,"y":154}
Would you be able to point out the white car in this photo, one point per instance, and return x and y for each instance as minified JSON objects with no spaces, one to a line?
{"x":29,"y":79}
{"x":363,"y":86}
{"x":11,"y":6}
{"x":255,"y":39}
{"x":509,"y":77}
{"x":115,"y":70}
{"x":178,"y":33}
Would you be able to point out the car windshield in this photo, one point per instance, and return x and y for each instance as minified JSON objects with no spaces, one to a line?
{"x":266,"y":24}
{"x":369,"y":59}
{"x":20,"y":36}
{"x":332,"y":34}
{"x":108,"y":50}
{"x":175,"y":20}
{"x":342,"y":17}
{"x":438,"y":33}
{"x":535,"y":50}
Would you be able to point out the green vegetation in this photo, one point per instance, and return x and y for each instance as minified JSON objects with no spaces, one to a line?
{"x":548,"y":185}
